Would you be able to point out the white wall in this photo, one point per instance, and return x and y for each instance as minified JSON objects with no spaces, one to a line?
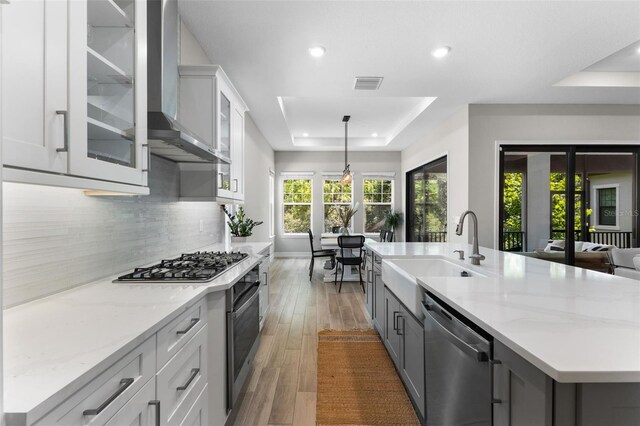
{"x":191,"y":53}
{"x":550,"y":124}
{"x":259,"y":159}
{"x":323,"y":161}
{"x":451,"y":139}
{"x":59,"y":238}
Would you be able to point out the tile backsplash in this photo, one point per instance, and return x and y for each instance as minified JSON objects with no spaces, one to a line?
{"x":57,"y":238}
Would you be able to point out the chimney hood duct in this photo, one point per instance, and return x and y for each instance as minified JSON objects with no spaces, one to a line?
{"x":167,"y":137}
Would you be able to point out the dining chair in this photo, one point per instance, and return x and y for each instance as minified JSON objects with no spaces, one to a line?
{"x":389,"y":237}
{"x":348,"y":259}
{"x":383,"y":235}
{"x":319,"y":253}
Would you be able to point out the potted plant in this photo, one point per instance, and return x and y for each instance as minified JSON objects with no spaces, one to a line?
{"x":345,"y":214}
{"x":240,"y":225}
{"x":393,"y":220}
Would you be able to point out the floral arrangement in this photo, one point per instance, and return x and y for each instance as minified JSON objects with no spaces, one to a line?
{"x":239,"y":224}
{"x":346,"y":213}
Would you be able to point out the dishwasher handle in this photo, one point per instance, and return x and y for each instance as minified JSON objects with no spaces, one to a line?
{"x":480,"y":356}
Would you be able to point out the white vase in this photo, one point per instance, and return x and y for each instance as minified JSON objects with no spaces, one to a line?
{"x":238,"y":240}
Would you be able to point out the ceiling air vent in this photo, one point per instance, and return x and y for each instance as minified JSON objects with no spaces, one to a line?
{"x":367,"y":83}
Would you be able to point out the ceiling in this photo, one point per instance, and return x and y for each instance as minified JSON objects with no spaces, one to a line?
{"x":502,"y":52}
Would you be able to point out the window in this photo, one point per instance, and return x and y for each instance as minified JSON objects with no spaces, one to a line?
{"x":607,"y":206}
{"x":336,"y":195}
{"x":272,"y":202}
{"x":296,"y":211}
{"x":378,"y":201}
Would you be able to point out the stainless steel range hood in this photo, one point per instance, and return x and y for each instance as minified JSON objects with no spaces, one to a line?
{"x":167,"y":137}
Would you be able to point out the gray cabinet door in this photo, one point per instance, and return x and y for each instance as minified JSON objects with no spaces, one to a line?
{"x":412,"y":357}
{"x":525,"y":393}
{"x":369,"y":285}
{"x":391,"y":335}
{"x":379,"y":310}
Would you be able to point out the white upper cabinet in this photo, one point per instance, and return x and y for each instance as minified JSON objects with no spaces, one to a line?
{"x":211,"y":107}
{"x":34,"y":84}
{"x":74,"y":80}
{"x":108,"y":90}
{"x":237,"y":153}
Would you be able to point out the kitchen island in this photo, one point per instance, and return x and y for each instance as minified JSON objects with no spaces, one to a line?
{"x":56,"y":346}
{"x":568,"y":338}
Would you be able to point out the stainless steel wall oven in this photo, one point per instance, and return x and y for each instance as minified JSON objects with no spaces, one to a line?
{"x":243,"y":331}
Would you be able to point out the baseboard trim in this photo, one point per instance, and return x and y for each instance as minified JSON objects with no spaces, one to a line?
{"x":295,"y":254}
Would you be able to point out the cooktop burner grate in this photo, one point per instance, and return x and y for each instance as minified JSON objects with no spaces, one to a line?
{"x":190,"y":267}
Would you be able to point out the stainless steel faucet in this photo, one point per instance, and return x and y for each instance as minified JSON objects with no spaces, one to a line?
{"x":475,"y":257}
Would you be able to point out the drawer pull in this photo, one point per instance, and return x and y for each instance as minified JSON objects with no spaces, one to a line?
{"x":156,"y":403}
{"x":193,"y":323}
{"x":124,"y":384}
{"x":194,"y":373}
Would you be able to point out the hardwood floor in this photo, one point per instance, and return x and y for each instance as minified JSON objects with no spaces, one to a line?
{"x":281,"y":387}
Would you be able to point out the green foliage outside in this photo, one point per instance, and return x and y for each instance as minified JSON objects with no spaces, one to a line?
{"x":513,"y":202}
{"x":297,"y":205}
{"x":377,"y":199}
{"x":513,"y":194}
{"x":430,"y":202}
{"x":337,"y":198}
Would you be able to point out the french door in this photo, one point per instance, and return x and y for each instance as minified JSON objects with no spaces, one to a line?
{"x":540,"y":205}
{"x":427,"y":202}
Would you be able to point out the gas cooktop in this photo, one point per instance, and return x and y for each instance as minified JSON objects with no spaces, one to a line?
{"x":200,"y":266}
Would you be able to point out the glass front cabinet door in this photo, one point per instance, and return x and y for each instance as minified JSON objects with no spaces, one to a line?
{"x":109,"y":109}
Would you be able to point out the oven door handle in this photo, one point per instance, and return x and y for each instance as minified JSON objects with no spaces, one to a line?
{"x":246,"y":304}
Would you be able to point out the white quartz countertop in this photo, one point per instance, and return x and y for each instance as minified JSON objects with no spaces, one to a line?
{"x":575,"y":325}
{"x":59,"y":342}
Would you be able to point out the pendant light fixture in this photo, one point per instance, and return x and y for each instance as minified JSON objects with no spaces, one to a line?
{"x":347,"y":177}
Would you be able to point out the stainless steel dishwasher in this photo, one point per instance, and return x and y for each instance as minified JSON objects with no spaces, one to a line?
{"x":457,"y":369}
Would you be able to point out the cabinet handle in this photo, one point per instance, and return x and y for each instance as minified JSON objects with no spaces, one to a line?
{"x":220,"y":178}
{"x":65,"y":148}
{"x":124,"y":384}
{"x":369,"y":278}
{"x":266,"y":278}
{"x":496,"y":401}
{"x":146,"y":145}
{"x":400,"y":317}
{"x":395,"y":321}
{"x":194,"y":373}
{"x":156,"y":403}
{"x":193,"y":323}
{"x":235,"y":182}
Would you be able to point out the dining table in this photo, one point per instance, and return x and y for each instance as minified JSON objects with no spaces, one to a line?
{"x":329,"y":241}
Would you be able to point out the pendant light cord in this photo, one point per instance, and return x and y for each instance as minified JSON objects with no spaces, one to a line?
{"x":346,"y":134}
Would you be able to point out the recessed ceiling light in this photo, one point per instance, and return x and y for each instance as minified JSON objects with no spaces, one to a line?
{"x":374,"y":135}
{"x":317,"y":51}
{"x":441,"y":52}
{"x":638,"y":50}
{"x":304,"y":135}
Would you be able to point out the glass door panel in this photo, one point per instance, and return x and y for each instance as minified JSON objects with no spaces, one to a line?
{"x":610,"y":209}
{"x":224,"y":170}
{"x":110,"y":81}
{"x":533,"y":203}
{"x":427,"y":198}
